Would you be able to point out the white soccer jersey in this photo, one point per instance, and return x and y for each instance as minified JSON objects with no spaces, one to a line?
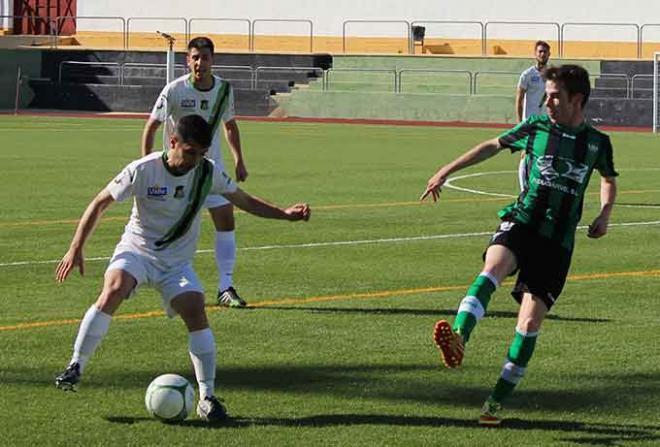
{"x":180,"y":98}
{"x":165,"y":220}
{"x":531,"y":80}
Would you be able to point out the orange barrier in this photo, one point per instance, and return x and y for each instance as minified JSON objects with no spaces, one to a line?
{"x":361,"y":45}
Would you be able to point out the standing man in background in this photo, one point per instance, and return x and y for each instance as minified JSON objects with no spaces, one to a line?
{"x":202,"y":93}
{"x":530,"y":97}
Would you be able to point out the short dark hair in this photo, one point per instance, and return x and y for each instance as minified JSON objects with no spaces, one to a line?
{"x":542,"y":43}
{"x":201,"y":43}
{"x":573,"y":78}
{"x":193,"y":129}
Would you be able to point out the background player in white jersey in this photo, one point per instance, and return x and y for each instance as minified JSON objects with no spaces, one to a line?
{"x":157,"y":248}
{"x":203,"y":93}
{"x":530,"y":97}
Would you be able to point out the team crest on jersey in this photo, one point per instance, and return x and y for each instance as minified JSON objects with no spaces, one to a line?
{"x":156,"y":192}
{"x":178,"y":192}
{"x":552,"y":169}
{"x":204,"y":105}
{"x":188,"y":103}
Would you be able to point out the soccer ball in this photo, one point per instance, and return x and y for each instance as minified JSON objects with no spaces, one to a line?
{"x":169,"y":398}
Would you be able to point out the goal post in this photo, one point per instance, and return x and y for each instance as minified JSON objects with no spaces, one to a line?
{"x":656,"y":96}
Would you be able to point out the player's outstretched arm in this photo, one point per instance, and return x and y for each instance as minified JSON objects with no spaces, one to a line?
{"x":520,"y":95}
{"x":148,"y":135}
{"x":259,"y":207}
{"x":74,"y":256}
{"x":598,"y":227}
{"x":475,"y":155}
{"x":233,"y":136}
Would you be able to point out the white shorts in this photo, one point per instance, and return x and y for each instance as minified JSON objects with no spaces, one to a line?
{"x":215,"y":201}
{"x":170,"y":282}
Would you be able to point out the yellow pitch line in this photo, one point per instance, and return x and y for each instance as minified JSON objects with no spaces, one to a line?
{"x":49,"y":222}
{"x":319,"y":299}
{"x":320,"y":207}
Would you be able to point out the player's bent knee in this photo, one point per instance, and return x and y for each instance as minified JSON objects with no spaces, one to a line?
{"x":190,"y":307}
{"x":500,"y":262}
{"x":223,"y":217}
{"x":529,"y":325}
{"x":110,"y":299}
{"x":117,"y":286}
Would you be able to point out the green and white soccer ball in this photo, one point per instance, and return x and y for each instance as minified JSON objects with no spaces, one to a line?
{"x":169,"y":398}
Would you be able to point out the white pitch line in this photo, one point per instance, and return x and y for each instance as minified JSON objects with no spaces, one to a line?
{"x":340,"y":243}
{"x":449,"y":181}
{"x":449,"y":184}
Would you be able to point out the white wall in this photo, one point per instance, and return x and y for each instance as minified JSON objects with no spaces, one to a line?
{"x":6,"y":9}
{"x":328,"y":16}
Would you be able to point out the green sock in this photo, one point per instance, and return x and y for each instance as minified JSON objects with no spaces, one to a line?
{"x":473,"y":306}
{"x":520,"y":352}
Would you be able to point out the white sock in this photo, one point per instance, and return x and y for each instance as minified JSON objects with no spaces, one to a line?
{"x":201,"y":345}
{"x":225,"y":257}
{"x":93,"y":328}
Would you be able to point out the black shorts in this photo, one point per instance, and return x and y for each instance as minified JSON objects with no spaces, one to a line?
{"x":543,"y":264}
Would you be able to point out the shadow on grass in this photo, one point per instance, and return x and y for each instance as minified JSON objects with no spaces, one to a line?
{"x":424,"y":384}
{"x":421,"y":312}
{"x":614,"y":433}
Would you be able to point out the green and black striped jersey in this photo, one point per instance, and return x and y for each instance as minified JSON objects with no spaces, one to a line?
{"x":560,"y":161}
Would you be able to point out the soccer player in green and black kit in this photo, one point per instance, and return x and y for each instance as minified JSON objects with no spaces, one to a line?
{"x":537,"y":232}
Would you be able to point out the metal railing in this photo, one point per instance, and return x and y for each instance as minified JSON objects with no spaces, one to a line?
{"x":180,"y":68}
{"x":621,"y":76}
{"x":475,"y":77}
{"x":219,"y":68}
{"x":309,"y":22}
{"x":636,"y":77}
{"x":62,"y":64}
{"x":402,"y":22}
{"x":448,"y":22}
{"x":401,"y":72}
{"x":562,"y":49}
{"x":35,"y":21}
{"x":59,"y":19}
{"x":329,"y":71}
{"x":52,"y":27}
{"x":220,"y":19}
{"x":146,"y":19}
{"x":473,"y":85}
{"x":641,"y":37}
{"x":485,"y":33}
{"x":258,"y":70}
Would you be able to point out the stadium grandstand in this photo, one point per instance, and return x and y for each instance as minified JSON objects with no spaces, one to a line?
{"x":390,"y":60}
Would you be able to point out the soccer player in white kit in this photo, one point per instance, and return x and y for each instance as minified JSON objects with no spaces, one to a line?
{"x":202,"y":93}
{"x":157,"y":248}
{"x":530,"y":97}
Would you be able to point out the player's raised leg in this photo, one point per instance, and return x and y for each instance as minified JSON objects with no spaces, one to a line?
{"x":202,"y":349}
{"x":117,"y":285}
{"x":450,"y":340}
{"x":225,"y":252}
